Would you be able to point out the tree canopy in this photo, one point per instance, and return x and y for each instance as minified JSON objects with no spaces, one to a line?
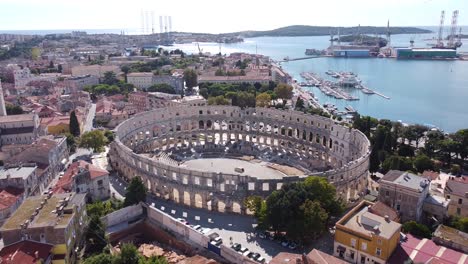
{"x":14,"y":109}
{"x":284,"y":91}
{"x":300,"y":209}
{"x":190,"y":78}
{"x":162,"y":88}
{"x":95,"y":140}
{"x":74,"y":126}
{"x":263,"y":100}
{"x":136,"y":192}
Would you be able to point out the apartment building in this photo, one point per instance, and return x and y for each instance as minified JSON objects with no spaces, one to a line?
{"x":456,"y":190}
{"x":364,"y":237}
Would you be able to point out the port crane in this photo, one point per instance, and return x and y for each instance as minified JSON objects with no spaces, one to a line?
{"x":440,"y":43}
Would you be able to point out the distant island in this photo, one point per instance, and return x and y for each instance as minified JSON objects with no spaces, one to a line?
{"x":363,"y":40}
{"x":298,"y":30}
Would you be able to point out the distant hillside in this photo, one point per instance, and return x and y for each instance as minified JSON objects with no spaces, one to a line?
{"x":294,"y":31}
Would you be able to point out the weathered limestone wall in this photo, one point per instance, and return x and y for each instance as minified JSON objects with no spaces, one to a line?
{"x":319,"y":142}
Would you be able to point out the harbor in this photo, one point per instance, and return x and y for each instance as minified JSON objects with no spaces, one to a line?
{"x":346,"y":80}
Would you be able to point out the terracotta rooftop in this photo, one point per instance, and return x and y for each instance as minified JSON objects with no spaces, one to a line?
{"x":382,"y":210}
{"x":430,"y":175}
{"x":64,"y":183}
{"x":425,"y":251}
{"x":457,"y":186}
{"x":286,"y":258}
{"x":25,"y":252}
{"x":9,"y":196}
{"x":16,"y":118}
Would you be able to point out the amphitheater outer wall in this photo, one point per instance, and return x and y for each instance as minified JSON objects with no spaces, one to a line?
{"x":316,"y":139}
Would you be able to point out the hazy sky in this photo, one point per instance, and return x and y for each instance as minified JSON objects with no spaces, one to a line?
{"x":217,"y":16}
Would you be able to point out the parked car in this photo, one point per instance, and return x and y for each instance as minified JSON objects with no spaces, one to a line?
{"x":218,"y":241}
{"x":244,"y":249}
{"x":292,"y":245}
{"x":285,"y":243}
{"x":246,"y":254}
{"x":262,"y":235}
{"x":197,"y":227}
{"x":182,"y":220}
{"x":236,"y":246}
{"x":261,"y":259}
{"x":255,"y":256}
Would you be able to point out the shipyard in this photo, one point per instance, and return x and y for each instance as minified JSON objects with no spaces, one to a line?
{"x":364,"y":46}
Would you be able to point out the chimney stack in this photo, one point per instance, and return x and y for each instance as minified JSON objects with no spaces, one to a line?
{"x":387,"y":218}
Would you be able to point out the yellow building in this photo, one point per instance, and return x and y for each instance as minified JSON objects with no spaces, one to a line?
{"x":56,"y":125}
{"x":364,"y":237}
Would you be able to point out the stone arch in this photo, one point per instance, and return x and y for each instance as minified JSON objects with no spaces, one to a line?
{"x":236,"y":207}
{"x":201,"y":124}
{"x":176,"y":195}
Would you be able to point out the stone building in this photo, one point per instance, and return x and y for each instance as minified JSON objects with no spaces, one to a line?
{"x":21,"y":177}
{"x":18,"y":129}
{"x":10,"y":200}
{"x":58,"y":219}
{"x":405,"y":192}
{"x":312,"y":144}
{"x":456,"y":190}
{"x":83,"y":177}
{"x":144,"y":80}
{"x":49,"y":153}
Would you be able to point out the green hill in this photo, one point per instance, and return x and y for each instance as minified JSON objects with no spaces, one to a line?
{"x":301,"y":30}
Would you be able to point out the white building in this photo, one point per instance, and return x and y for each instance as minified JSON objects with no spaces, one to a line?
{"x":18,"y":129}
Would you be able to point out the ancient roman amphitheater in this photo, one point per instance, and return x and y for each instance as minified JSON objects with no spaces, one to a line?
{"x":213,"y":157}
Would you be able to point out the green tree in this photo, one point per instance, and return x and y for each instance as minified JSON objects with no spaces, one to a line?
{"x":109,"y":135}
{"x":374,"y":162}
{"x":417,"y":229}
{"x":74,"y":126}
{"x":397,"y":163}
{"x":94,"y":139}
{"x":14,"y":109}
{"x":263,"y":100}
{"x":110,"y":78}
{"x":190,"y":78}
{"x":461,"y":136}
{"x":299,"y":103}
{"x":460,"y":223}
{"x":218,"y":100}
{"x":423,"y":162}
{"x":314,"y":217}
{"x":135,"y":192}
{"x":128,"y":254}
{"x":103,"y":258}
{"x":125,"y":69}
{"x":284,"y":91}
{"x":71,"y":141}
{"x":162,"y":88}
{"x":203,"y":92}
{"x":95,"y":235}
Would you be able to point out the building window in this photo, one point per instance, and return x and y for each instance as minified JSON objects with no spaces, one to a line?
{"x":378,"y":251}
{"x":398,"y":207}
{"x":353,"y":242}
{"x":364,"y":246}
{"x":458,"y":211}
{"x":387,"y":193}
{"x":99,"y":182}
{"x":448,"y":196}
{"x":351,"y":255}
{"x":363,"y":259}
{"x":379,"y":241}
{"x":460,"y":201}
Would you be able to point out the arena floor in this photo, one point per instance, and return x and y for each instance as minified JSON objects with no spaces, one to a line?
{"x":227,"y":166}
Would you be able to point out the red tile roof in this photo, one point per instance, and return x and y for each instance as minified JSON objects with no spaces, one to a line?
{"x":430,"y":175}
{"x":9,"y":196}
{"x":65,"y":182}
{"x":25,"y":252}
{"x":422,"y":251}
{"x":382,"y":210}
